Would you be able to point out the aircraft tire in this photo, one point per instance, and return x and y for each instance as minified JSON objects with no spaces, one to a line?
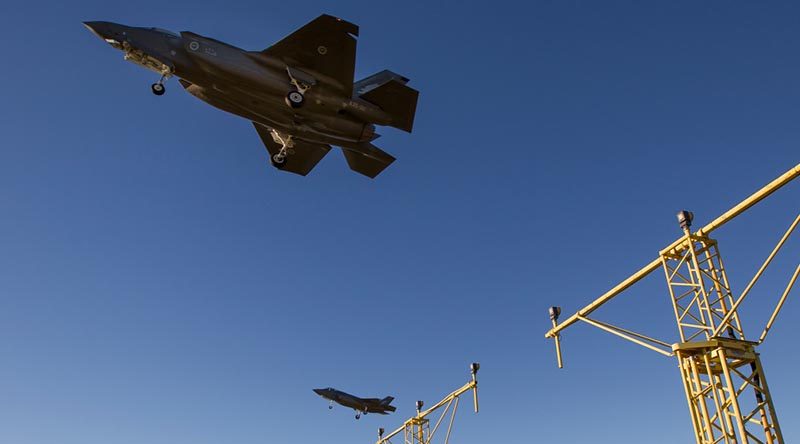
{"x":278,"y":162}
{"x":295,"y":99}
{"x":158,"y":89}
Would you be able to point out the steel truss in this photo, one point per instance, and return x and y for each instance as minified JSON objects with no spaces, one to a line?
{"x":729,"y":400}
{"x":417,"y":430}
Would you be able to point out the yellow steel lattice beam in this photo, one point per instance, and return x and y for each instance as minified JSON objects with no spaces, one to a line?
{"x":416,"y":430}
{"x":726,"y":217}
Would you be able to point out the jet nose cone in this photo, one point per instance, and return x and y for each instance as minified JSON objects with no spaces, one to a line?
{"x":319,"y":391}
{"x":95,"y":28}
{"x":104,"y":30}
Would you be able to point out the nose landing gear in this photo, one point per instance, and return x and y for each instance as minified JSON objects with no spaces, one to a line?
{"x":158,"y":88}
{"x":139,"y":57}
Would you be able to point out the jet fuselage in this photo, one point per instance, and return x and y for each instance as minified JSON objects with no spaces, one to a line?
{"x":360,"y":405}
{"x":248,"y":84}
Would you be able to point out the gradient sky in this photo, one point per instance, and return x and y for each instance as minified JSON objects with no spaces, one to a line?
{"x":160,"y":283}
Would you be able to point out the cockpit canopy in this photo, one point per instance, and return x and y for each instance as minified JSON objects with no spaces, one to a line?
{"x":166,"y":32}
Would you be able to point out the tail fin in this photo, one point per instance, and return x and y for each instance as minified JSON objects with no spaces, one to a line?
{"x":385,"y":404}
{"x":389,"y":91}
{"x":368,"y":159}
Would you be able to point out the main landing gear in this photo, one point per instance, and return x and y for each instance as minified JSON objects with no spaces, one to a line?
{"x":279,"y":159}
{"x":359,"y":413}
{"x":297,"y":98}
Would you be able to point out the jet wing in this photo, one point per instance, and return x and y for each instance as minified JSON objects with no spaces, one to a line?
{"x":326,"y":45}
{"x":305,"y":157}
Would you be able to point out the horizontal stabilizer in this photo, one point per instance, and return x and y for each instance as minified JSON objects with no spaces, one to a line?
{"x":387,"y":400}
{"x":367,"y":159}
{"x":397,"y":100}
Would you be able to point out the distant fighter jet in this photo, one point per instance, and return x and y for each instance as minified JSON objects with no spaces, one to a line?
{"x":360,"y":405}
{"x":299,"y":93}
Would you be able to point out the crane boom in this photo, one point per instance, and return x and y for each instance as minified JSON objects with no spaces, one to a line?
{"x":755,"y":198}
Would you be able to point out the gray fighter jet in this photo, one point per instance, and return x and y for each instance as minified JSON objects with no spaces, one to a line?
{"x":299,"y":93}
{"x":360,"y":405}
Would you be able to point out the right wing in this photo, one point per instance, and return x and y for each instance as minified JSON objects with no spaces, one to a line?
{"x":326,"y":45}
{"x":305,"y":157}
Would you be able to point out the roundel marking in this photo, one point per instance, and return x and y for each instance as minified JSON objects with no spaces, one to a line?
{"x":322,"y":49}
{"x":194,"y":46}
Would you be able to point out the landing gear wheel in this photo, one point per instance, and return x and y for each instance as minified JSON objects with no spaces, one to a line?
{"x":358,"y":415}
{"x":278,"y":161}
{"x":330,"y":407}
{"x":295,"y":99}
{"x":158,"y":89}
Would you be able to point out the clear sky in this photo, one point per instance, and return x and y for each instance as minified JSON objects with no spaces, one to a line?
{"x":160,"y":283}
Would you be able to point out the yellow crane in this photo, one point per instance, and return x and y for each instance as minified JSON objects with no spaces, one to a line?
{"x":417,"y":429}
{"x":726,"y":389}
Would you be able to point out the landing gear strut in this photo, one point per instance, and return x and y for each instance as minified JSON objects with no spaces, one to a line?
{"x":158,"y":88}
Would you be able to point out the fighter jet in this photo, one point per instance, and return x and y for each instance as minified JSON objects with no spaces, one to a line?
{"x":360,"y":405}
{"x":299,"y":93}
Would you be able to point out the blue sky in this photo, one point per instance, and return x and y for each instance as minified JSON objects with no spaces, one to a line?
{"x":161,"y":283}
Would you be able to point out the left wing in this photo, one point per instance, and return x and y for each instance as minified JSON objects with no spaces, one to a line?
{"x":326,"y":45}
{"x":305,"y":157}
